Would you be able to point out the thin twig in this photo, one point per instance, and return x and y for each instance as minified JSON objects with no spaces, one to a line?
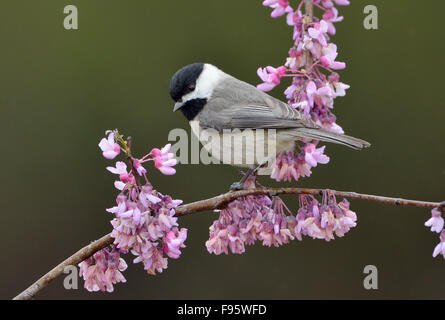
{"x":211,"y":204}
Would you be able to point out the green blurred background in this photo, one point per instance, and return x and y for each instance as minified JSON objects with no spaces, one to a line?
{"x":61,"y":89}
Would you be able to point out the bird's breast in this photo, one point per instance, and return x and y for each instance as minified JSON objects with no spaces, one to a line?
{"x":243,"y":148}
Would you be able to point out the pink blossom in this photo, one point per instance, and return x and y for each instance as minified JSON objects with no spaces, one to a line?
{"x":280,"y":7}
{"x":440,"y":248}
{"x":296,"y":59}
{"x":311,"y":89}
{"x":121,"y":170}
{"x":173,"y":241}
{"x":340,"y":89}
{"x":271,"y":77}
{"x":109,"y":148}
{"x":147,"y":226}
{"x":342,"y":2}
{"x":167,"y":220}
{"x":322,"y":221}
{"x":345,"y":221}
{"x":288,"y":166}
{"x":236,"y":244}
{"x":314,"y":47}
{"x":314,"y":156}
{"x":331,"y":17}
{"x":318,"y":32}
{"x":104,"y":271}
{"x":139,"y":168}
{"x":325,"y":96}
{"x":152,"y":258}
{"x":121,"y":205}
{"x":328,"y":58}
{"x":218,"y":240}
{"x":333,"y":127}
{"x":329,"y":4}
{"x":293,"y":18}
{"x":164,"y":160}
{"x":436,"y":221}
{"x":119,"y":185}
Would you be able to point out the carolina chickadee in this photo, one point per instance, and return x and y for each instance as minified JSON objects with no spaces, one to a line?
{"x":215,"y":102}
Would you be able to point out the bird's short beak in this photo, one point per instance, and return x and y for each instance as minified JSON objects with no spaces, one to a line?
{"x":177,"y":106}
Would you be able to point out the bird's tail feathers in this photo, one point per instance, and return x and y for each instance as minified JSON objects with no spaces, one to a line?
{"x":327,"y":136}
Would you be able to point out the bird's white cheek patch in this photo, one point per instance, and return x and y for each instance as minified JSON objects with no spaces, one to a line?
{"x":207,"y":81}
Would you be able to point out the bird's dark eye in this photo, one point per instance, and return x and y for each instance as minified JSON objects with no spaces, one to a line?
{"x":190,"y":87}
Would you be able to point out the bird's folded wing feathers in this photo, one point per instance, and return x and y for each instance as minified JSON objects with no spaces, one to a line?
{"x":238,"y":105}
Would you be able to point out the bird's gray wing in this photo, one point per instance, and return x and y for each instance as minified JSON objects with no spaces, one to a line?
{"x":235,"y":104}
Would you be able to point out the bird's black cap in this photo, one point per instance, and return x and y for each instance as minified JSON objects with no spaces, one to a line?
{"x":184,"y":80}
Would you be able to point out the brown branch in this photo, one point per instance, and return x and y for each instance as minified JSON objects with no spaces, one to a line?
{"x":309,"y":8}
{"x":74,"y":260}
{"x":210,"y":204}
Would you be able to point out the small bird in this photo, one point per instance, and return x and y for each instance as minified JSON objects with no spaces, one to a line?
{"x":219,"y":104}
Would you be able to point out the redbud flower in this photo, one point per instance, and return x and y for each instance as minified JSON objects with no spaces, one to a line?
{"x":271,"y":77}
{"x":104,"y":271}
{"x":280,"y":7}
{"x":148,"y":228}
{"x":340,"y":89}
{"x":124,"y":176}
{"x":322,"y":221}
{"x":329,"y":4}
{"x":173,"y":241}
{"x":328,"y":58}
{"x":325,"y":96}
{"x":119,"y":185}
{"x":139,"y":168}
{"x":164,"y":160}
{"x":318,"y":32}
{"x":311,"y":89}
{"x":109,"y":147}
{"x":121,"y":170}
{"x":440,"y":248}
{"x":342,"y":2}
{"x":288,"y":166}
{"x":436,"y":221}
{"x":331,"y":17}
{"x":314,"y":156}
{"x":292,"y":19}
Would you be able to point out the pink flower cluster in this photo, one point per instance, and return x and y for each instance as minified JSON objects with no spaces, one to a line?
{"x":144,"y":220}
{"x":103,"y":269}
{"x":291,"y":164}
{"x":315,"y":84}
{"x":258,"y":217}
{"x":323,"y":220}
{"x":246,"y":220}
{"x":436,"y":223}
{"x":145,"y":225}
